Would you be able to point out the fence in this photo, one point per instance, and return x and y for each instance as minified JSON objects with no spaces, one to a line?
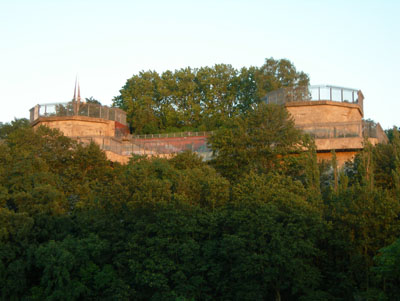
{"x":315,"y":93}
{"x":73,"y":109}
{"x":374,"y":130}
{"x":150,"y":147}
{"x":363,"y":128}
{"x":173,"y":135}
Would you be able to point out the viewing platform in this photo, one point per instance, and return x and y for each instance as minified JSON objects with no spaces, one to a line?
{"x":81,"y":119}
{"x":332,"y":115}
{"x":77,"y":109}
{"x":316,"y":93}
{"x":107,"y":127}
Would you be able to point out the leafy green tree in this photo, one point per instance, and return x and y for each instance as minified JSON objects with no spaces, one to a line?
{"x":200,"y":99}
{"x":364,"y":218}
{"x":276,"y":74}
{"x":92,"y":100}
{"x":256,"y":141}
{"x":388,"y":269}
{"x":8,"y":128}
{"x":269,"y":243}
{"x":389,"y":132}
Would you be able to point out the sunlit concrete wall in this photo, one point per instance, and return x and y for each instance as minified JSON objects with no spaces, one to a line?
{"x":312,"y":112}
{"x":75,"y":126}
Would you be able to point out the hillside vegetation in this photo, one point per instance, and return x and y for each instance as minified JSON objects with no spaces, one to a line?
{"x":262,"y":221}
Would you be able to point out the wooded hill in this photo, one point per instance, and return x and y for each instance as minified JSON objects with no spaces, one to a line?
{"x":261,"y":221}
{"x":253,"y":224}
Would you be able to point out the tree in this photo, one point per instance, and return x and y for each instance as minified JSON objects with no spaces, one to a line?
{"x":388,"y":269}
{"x":255,"y":141}
{"x":200,"y":99}
{"x":92,"y":100}
{"x":276,"y":74}
{"x":269,"y":241}
{"x":8,"y":128}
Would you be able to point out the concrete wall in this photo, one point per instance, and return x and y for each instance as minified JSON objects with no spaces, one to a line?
{"x":341,"y":157}
{"x":117,"y":158}
{"x":313,"y":112}
{"x":74,"y":126}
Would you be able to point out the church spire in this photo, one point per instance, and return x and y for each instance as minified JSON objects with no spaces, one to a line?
{"x":77,"y":96}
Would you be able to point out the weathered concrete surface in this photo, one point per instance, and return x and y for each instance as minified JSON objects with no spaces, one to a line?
{"x":339,"y":143}
{"x":117,"y":158}
{"x":312,"y":112}
{"x":341,"y":157}
{"x":75,"y":126}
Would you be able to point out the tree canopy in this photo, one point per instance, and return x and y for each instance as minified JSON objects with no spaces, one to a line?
{"x":200,"y":99}
{"x":261,"y":221}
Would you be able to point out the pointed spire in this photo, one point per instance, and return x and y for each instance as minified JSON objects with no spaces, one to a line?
{"x":76,"y":80}
{"x":77,"y":98}
{"x":79,"y":93}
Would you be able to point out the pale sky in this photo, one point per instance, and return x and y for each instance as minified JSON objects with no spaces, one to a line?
{"x":44,"y":44}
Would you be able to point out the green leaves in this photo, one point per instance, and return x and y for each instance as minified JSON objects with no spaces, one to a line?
{"x":257,"y":141}
{"x":388,"y":269}
{"x":251,"y":225}
{"x":201,"y":99}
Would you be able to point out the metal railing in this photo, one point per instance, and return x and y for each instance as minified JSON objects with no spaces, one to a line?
{"x":173,"y":135}
{"x":72,"y":109}
{"x":362,"y":129}
{"x":315,"y":93}
{"x":374,"y":130}
{"x":157,"y":146}
{"x":148,"y":147}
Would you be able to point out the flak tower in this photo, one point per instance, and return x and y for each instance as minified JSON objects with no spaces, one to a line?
{"x":84,"y":122}
{"x":333,"y":116}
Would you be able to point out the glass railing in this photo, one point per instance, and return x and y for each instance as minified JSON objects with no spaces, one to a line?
{"x":333,"y":93}
{"x":315,"y":93}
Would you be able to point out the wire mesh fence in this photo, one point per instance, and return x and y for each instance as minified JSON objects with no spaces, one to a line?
{"x":362,"y":129}
{"x":74,"y":109}
{"x":315,"y":93}
{"x":173,"y":135}
{"x":156,"y":147}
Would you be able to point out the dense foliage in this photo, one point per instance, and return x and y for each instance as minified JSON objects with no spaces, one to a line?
{"x":261,"y":221}
{"x":74,"y":225}
{"x":202,"y":99}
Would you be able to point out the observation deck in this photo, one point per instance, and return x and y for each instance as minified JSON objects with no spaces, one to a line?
{"x":107,"y":127}
{"x":81,"y":119}
{"x":316,"y":93}
{"x":332,"y":115}
{"x":77,"y":109}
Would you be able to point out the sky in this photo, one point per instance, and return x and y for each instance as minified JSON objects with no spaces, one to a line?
{"x":44,"y":45}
